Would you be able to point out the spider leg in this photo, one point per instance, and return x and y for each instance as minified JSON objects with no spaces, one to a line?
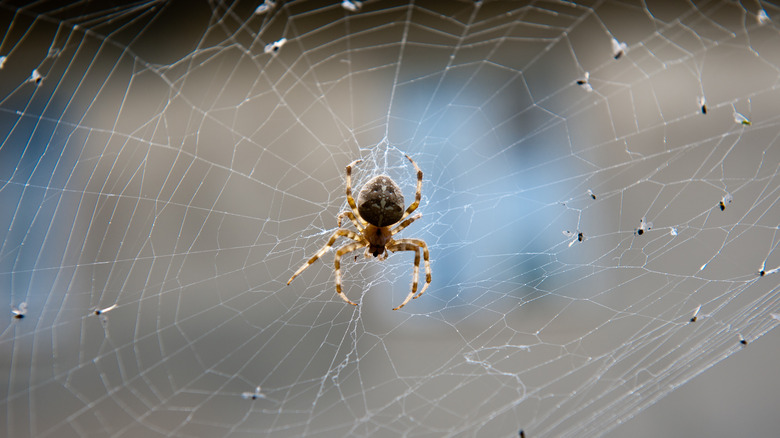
{"x":350,"y":199}
{"x":405,"y":224}
{"x":415,"y":274}
{"x":336,"y":234}
{"x":419,"y":243}
{"x":351,"y":217}
{"x":340,"y":252}
{"x":417,"y":193}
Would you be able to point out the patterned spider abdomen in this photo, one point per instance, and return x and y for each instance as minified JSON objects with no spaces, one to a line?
{"x":380,"y":202}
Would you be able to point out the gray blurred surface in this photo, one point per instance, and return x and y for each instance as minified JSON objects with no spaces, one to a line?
{"x":736,"y":397}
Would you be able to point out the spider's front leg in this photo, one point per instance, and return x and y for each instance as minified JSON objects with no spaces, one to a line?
{"x":415,"y":274}
{"x":340,"y":252}
{"x":416,"y":245}
{"x":336,"y":234}
{"x":412,"y":244}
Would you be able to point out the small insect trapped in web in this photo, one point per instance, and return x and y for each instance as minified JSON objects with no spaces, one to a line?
{"x":763,"y":272}
{"x":102,"y":314}
{"x":379,"y":207}
{"x":266,"y":6}
{"x":256,"y":394}
{"x":762,"y":18}
{"x":584,"y":82}
{"x":643,"y":226}
{"x":275,"y":46}
{"x":725,"y":200}
{"x":577,"y":236}
{"x":618,"y":48}
{"x":35,"y":77}
{"x":741,"y":120}
{"x":20,"y":310}
{"x":99,"y":312}
{"x":351,"y":5}
{"x":703,"y":104}
{"x":695,"y":316}
{"x":591,"y":194}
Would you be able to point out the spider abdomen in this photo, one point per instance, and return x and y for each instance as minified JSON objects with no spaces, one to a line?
{"x":380,"y":202}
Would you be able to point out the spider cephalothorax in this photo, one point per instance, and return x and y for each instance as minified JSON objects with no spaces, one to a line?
{"x":380,"y":205}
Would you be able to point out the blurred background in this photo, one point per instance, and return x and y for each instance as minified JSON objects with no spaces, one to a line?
{"x":166,"y":166}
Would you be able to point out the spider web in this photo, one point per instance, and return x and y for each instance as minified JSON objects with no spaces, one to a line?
{"x":164,"y":169}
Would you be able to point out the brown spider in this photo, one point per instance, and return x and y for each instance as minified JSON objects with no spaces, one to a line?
{"x":380,"y":205}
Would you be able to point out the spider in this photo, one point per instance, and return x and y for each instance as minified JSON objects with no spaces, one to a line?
{"x":380,"y":206}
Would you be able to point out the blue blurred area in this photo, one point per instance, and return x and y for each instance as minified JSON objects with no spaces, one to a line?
{"x":34,"y":169}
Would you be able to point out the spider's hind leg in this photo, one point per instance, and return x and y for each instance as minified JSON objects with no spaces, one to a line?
{"x":405,"y":224}
{"x":352,"y":218}
{"x":417,"y":192}
{"x":351,"y":200}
